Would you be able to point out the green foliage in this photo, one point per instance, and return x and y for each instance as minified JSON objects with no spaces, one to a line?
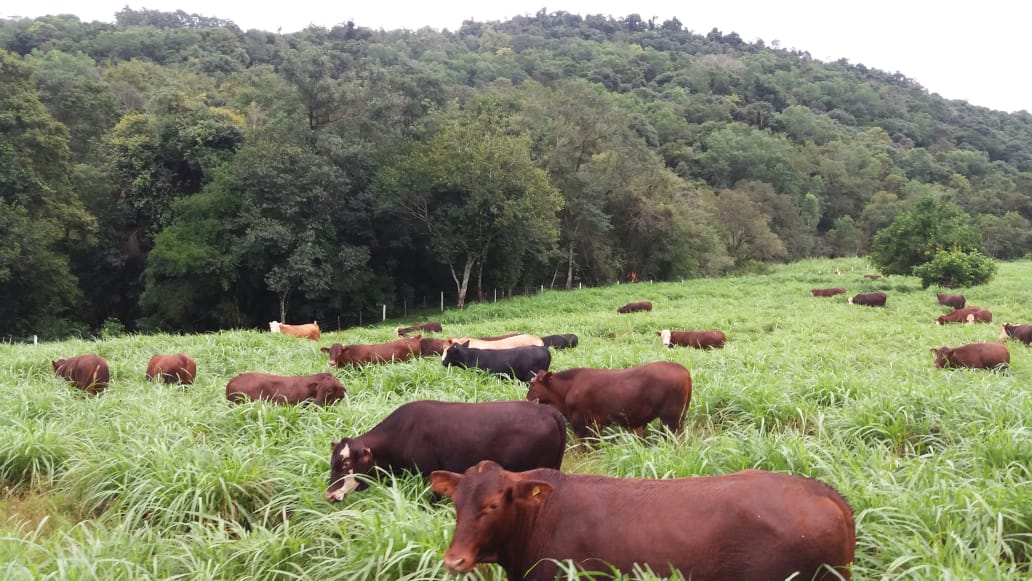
{"x":918,"y":234}
{"x":956,"y":267}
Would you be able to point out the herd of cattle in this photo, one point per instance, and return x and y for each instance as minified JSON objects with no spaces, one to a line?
{"x":500,"y":461}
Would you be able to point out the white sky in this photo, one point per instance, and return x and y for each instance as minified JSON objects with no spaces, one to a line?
{"x":961,"y":50}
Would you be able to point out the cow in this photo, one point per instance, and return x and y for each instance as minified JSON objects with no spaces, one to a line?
{"x":974,"y":355}
{"x":87,"y":372}
{"x":508,"y":342}
{"x":752,"y":524}
{"x":872,"y":276}
{"x":970,"y":314}
{"x":172,"y":368}
{"x":1022,"y":333}
{"x":429,"y":346}
{"x":955,"y":301}
{"x":697,"y":339}
{"x":518,"y":363}
{"x":563,"y":341}
{"x":307,"y":331}
{"x":423,"y":436}
{"x":432,"y":327}
{"x":359,"y":354}
{"x":635,"y":307}
{"x":323,"y":388}
{"x":632,"y":397}
{"x":827,"y":292}
{"x":499,"y":337}
{"x":875,"y":299}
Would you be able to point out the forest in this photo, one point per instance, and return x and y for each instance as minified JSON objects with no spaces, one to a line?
{"x":172,"y":172}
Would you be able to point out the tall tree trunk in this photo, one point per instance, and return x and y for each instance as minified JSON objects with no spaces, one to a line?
{"x":569,"y":269}
{"x":283,"y":305}
{"x":462,"y":286}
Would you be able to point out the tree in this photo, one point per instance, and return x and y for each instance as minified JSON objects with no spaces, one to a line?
{"x":916,"y":235}
{"x":746,"y":229}
{"x":472,"y":185}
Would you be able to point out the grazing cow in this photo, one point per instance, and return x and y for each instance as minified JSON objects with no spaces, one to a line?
{"x":428,"y":346}
{"x":827,"y":292}
{"x":564,"y":341}
{"x":500,"y":337}
{"x":172,"y":368}
{"x":970,"y":314}
{"x":635,"y":307}
{"x":974,"y":355}
{"x":872,"y":276}
{"x":697,"y":339}
{"x":507,"y":342}
{"x":423,"y":436}
{"x":324,"y":388}
{"x":357,"y":355}
{"x":88,"y":372}
{"x":1022,"y":333}
{"x":751,"y":524}
{"x":425,"y":327}
{"x":955,"y":301}
{"x":875,"y":299}
{"x":518,"y":363}
{"x":630,"y":397}
{"x":307,"y":331}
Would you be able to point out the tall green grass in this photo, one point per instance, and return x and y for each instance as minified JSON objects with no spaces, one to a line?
{"x":152,"y":481}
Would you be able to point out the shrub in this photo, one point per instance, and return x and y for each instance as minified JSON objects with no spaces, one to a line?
{"x":956,"y":267}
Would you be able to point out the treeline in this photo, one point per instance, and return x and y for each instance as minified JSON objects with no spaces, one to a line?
{"x":171,"y":171}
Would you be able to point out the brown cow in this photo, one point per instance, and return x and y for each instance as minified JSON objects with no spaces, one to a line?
{"x":508,"y":342}
{"x":974,"y":355}
{"x":875,"y":299}
{"x":324,"y":388}
{"x":827,"y":292}
{"x":428,"y":346}
{"x":172,"y":368}
{"x":872,"y":276}
{"x":397,"y":350}
{"x":630,"y":397}
{"x":970,"y":314}
{"x":87,"y":372}
{"x":955,"y":301}
{"x":751,"y":524}
{"x":1022,"y":333}
{"x":307,"y":331}
{"x":432,"y":327}
{"x":635,"y":307}
{"x":697,"y":339}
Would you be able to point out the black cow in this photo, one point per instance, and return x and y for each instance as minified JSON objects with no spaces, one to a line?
{"x":518,"y":363}
{"x":560,"y":341}
{"x":875,"y":299}
{"x":423,"y":436}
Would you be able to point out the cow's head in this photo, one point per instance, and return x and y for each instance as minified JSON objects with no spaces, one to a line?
{"x":1006,"y":331}
{"x":455,"y":353}
{"x":942,"y":356}
{"x":665,"y":336}
{"x":337,"y":353}
{"x":274,"y":326}
{"x":330,"y":388}
{"x":540,"y":390}
{"x":348,"y":458}
{"x":941,"y":320}
{"x":488,"y":501}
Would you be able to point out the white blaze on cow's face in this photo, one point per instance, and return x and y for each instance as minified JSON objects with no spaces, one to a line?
{"x":274,"y":327}
{"x":665,"y":336}
{"x":350,"y":482}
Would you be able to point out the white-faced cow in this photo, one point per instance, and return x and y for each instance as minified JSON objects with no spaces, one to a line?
{"x":696,"y":339}
{"x":306,"y":331}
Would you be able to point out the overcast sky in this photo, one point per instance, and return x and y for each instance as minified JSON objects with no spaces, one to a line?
{"x":962,"y":50}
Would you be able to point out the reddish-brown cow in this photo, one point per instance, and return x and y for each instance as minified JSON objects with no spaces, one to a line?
{"x":88,"y":372}
{"x":172,"y":368}
{"x":429,"y":346}
{"x":307,"y":331}
{"x":875,"y":299}
{"x":630,"y":397}
{"x":970,"y":314}
{"x":425,"y":327}
{"x":397,"y":350}
{"x":1022,"y":333}
{"x":697,"y":339}
{"x":635,"y":307}
{"x":828,"y":292}
{"x":974,"y":355}
{"x":323,"y":388}
{"x":872,"y":276}
{"x":746,"y":525}
{"x":955,"y":301}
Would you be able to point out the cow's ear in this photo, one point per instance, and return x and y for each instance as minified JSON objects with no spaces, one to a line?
{"x":324,"y":349}
{"x":444,"y":483}
{"x":418,"y":337}
{"x":659,"y":333}
{"x":333,"y":446}
{"x":465,"y":343}
{"x":531,"y":492}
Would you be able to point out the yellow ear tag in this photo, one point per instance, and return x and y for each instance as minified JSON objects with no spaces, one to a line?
{"x":535,"y":491}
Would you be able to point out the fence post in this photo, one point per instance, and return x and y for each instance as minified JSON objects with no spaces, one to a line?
{"x":35,"y":340}
{"x":542,"y":288}
{"x":496,"y":295}
{"x":404,"y":308}
{"x":580,"y":285}
{"x":385,"y":312}
{"x":442,"y":301}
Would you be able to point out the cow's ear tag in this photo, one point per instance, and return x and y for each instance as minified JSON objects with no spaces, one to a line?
{"x":535,"y":491}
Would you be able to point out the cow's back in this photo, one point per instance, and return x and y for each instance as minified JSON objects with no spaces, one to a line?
{"x":87,"y":372}
{"x":629,"y":397}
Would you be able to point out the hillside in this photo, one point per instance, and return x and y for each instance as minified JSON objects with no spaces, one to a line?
{"x":192,"y":176}
{"x":155,"y":482}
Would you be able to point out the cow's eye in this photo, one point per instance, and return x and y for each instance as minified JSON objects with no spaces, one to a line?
{"x":493,"y":506}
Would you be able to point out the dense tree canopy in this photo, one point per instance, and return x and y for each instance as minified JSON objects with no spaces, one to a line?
{"x":172,"y":171}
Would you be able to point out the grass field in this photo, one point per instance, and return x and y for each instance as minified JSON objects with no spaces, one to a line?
{"x":151,"y":481}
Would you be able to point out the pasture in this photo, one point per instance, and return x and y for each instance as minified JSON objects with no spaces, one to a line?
{"x":152,"y":481}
